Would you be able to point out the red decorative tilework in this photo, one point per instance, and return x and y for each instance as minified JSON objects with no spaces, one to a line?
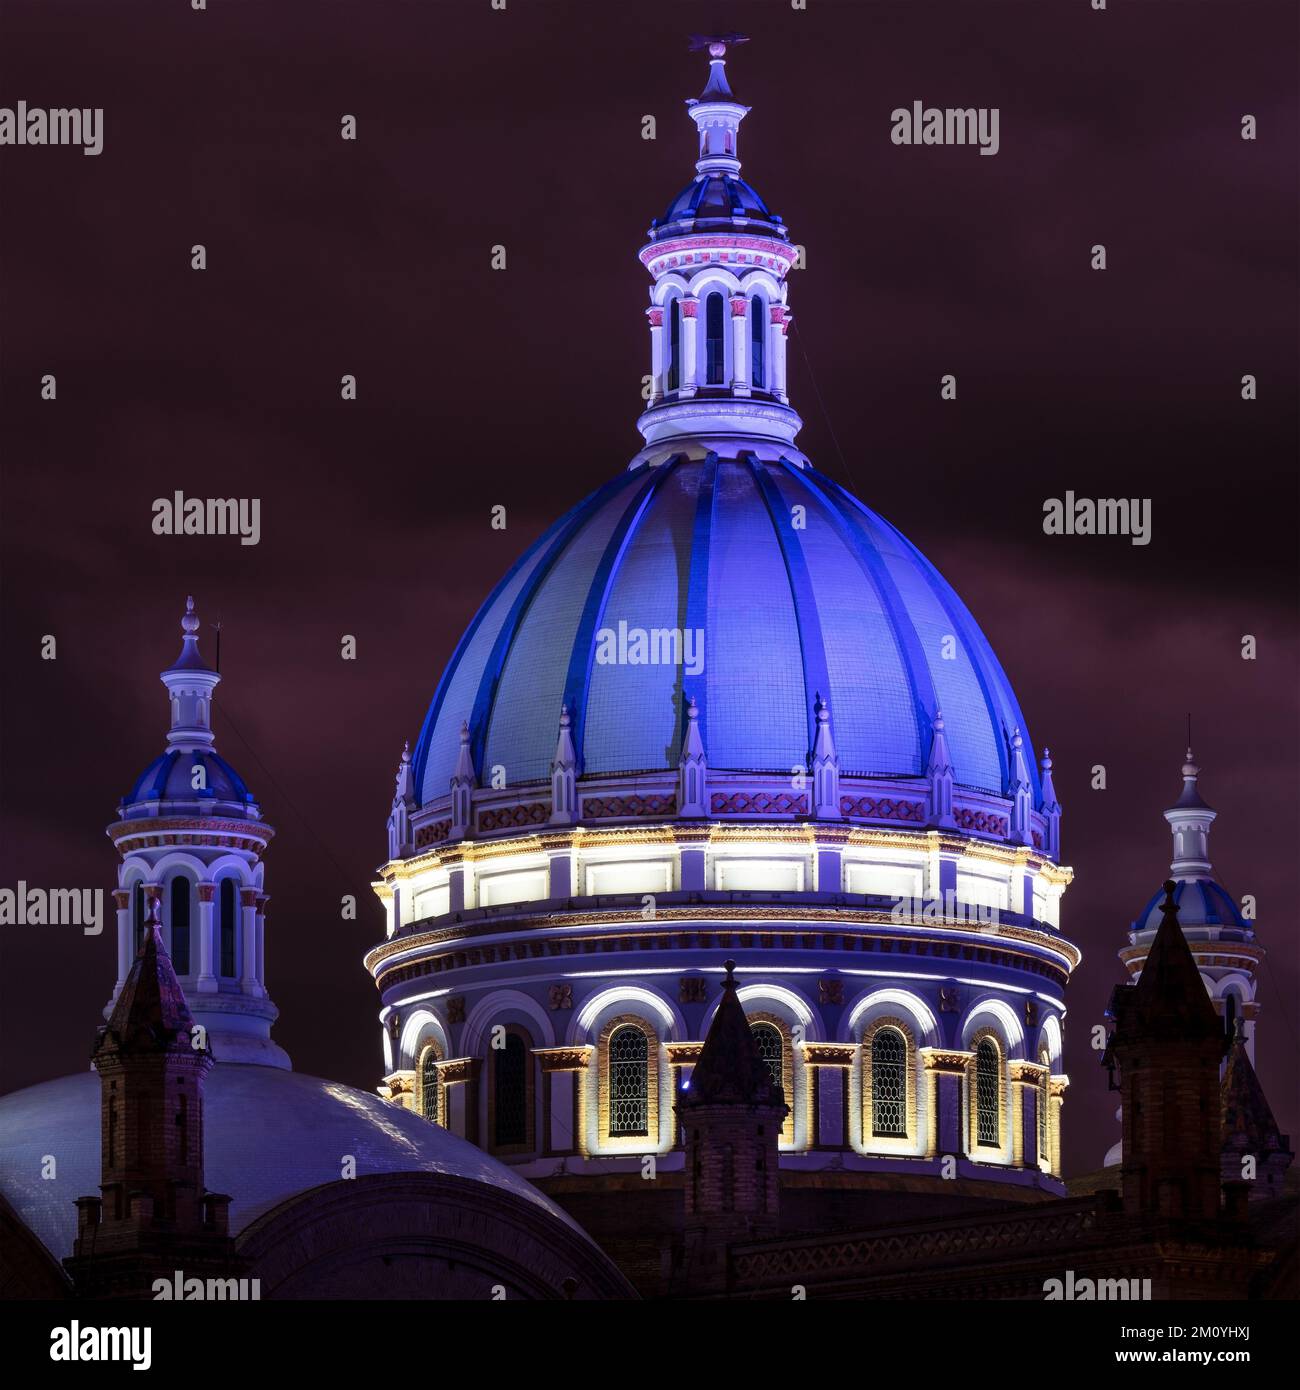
{"x":514,"y":817}
{"x":882,"y":808}
{"x":758,"y":803}
{"x":607,"y":807}
{"x":982,"y":821}
{"x":432,"y":834}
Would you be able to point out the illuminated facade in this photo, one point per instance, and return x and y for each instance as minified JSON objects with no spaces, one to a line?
{"x":723,"y":708}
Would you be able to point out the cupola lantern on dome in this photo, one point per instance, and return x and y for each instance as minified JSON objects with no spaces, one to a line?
{"x":719,"y":316}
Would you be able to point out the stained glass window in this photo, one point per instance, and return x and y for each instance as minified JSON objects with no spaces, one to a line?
{"x":429,"y":1086}
{"x":770,"y":1049}
{"x":889,"y":1083}
{"x":986,"y":1094}
{"x":629,"y":1104}
{"x":674,"y":345}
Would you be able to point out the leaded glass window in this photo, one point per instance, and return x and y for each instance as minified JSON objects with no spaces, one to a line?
{"x":1044,"y":1100}
{"x":767,"y":1038}
{"x":510,"y":1094}
{"x":429,"y":1086}
{"x":715,"y":347}
{"x":629,"y":1077}
{"x":137,"y":914}
{"x":986,"y":1094}
{"x":889,"y":1083}
{"x":180,"y":919}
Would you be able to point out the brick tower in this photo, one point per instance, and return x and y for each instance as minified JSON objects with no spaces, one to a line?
{"x":1167,"y":1043}
{"x":732,"y":1115}
{"x":154,"y":1216}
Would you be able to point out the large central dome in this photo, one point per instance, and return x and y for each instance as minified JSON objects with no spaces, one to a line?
{"x":758,"y":586}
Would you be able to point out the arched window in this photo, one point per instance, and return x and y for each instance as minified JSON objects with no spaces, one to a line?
{"x":510,"y":1092}
{"x":674,"y":344}
{"x":767,"y":1037}
{"x":889,"y":1083}
{"x":757,"y":344}
{"x":715,"y":343}
{"x":1230,"y":1014}
{"x":629,"y":1100}
{"x":229,"y":927}
{"x":429,"y":1086}
{"x":987,"y":1128}
{"x":137,"y":914}
{"x":181,"y":892}
{"x":1044,"y":1101}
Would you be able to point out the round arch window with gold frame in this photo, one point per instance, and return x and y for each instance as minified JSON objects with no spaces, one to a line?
{"x":782,"y":1027}
{"x":624,"y":1130}
{"x":983,"y":1104}
{"x":878,"y":1111}
{"x":428,"y":1084}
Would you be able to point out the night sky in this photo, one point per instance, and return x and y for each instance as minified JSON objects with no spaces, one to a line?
{"x":520,"y":388}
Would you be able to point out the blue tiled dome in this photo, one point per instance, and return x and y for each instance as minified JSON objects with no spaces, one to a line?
{"x":831,"y":601}
{"x":170,"y":778}
{"x":1201,"y":903}
{"x":716,"y":198}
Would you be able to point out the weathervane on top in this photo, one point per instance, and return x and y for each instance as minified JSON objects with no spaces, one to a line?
{"x":717,"y":44}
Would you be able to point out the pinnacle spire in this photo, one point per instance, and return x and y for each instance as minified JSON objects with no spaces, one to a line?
{"x":1190,"y":819}
{"x":692,"y":767}
{"x":825,"y":765}
{"x":190,"y":682}
{"x":938,"y":770}
{"x":151,"y":1013}
{"x":564,"y":774}
{"x":731,"y":1070}
{"x":1170,"y":999}
{"x":1021,"y":790}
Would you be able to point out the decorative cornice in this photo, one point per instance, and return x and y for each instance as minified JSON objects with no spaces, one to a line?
{"x":825,"y":1054}
{"x":459,"y":1069}
{"x":1028,"y":1073}
{"x":552,"y":1059}
{"x":684,"y":1053}
{"x":944,"y":1059}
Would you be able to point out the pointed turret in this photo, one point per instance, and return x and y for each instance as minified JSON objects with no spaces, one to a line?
{"x":154,"y":1215}
{"x":717,"y":114}
{"x":462,"y":786}
{"x":1254,"y":1149}
{"x":692,"y":767}
{"x":825,"y":766}
{"x":938,"y":772}
{"x":564,"y":774}
{"x":1020,"y":788}
{"x":1050,"y":807}
{"x":732,"y":1114}
{"x":1167,"y":1045}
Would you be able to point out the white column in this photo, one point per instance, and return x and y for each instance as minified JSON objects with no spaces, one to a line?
{"x":689,"y":376}
{"x":658,"y":382}
{"x":262,"y":900}
{"x":122,"y":899}
{"x":248,"y":973}
{"x":207,"y":981}
{"x":740,"y":382}
{"x":781,"y":317}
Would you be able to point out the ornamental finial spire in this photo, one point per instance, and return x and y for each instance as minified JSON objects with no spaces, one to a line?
{"x":190,"y":682}
{"x":1190,"y":819}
